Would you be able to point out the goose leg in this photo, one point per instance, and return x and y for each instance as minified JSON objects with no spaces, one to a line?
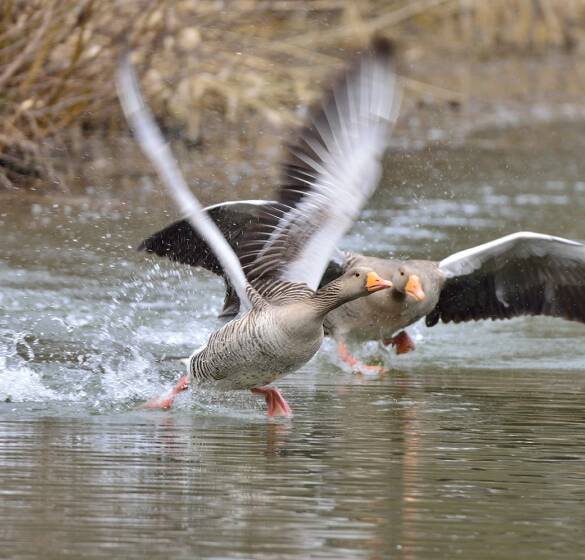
{"x":402,"y":343}
{"x":165,"y":402}
{"x":275,"y":402}
{"x":355,"y":365}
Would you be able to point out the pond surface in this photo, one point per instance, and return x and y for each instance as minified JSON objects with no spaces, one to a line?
{"x":472,"y":446}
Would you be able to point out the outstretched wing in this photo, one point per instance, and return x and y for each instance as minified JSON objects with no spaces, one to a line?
{"x":180,"y":242}
{"x":328,"y":175}
{"x":156,"y":149}
{"x":520,"y":274}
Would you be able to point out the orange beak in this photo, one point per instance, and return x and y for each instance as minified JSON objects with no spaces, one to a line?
{"x":413,"y":288}
{"x":374,"y":283}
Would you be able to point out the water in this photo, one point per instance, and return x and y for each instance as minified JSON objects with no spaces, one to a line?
{"x":471,"y":447}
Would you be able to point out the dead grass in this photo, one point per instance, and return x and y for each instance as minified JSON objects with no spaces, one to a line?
{"x":57,"y":58}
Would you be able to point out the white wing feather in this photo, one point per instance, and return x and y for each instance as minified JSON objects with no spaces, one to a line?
{"x":340,"y":171}
{"x":515,"y":245}
{"x":156,"y":149}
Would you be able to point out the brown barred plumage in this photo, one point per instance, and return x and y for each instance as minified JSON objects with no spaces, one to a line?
{"x":329,"y":174}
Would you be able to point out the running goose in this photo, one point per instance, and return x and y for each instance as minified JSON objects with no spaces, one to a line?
{"x":330,"y":172}
{"x":520,"y":274}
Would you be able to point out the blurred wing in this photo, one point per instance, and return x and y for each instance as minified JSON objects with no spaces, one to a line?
{"x":329,"y":174}
{"x":154,"y":146}
{"x":520,"y":274}
{"x":180,"y":242}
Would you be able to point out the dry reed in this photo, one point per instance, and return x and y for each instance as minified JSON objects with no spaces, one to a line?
{"x":57,"y":58}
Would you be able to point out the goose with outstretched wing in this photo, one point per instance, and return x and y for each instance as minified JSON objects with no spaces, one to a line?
{"x":520,"y":274}
{"x":329,"y":173}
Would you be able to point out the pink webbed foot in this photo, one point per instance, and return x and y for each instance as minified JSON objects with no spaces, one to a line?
{"x":356,"y":365}
{"x":275,"y":402}
{"x":402,"y":343}
{"x":166,"y":401}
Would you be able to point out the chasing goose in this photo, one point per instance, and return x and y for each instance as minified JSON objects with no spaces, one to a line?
{"x":329,"y":173}
{"x":520,"y":274}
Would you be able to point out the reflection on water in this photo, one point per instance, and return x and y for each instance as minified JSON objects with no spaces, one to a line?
{"x":471,"y":446}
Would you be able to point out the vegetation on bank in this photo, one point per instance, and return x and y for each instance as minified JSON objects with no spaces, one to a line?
{"x":265,"y":57}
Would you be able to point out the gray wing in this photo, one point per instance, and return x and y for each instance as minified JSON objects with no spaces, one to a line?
{"x":520,"y":274}
{"x":180,"y":242}
{"x":153,"y":145}
{"x":328,"y":175}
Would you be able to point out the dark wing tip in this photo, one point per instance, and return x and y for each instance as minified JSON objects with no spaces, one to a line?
{"x":149,"y":244}
{"x":383,"y":47}
{"x":432,"y":318}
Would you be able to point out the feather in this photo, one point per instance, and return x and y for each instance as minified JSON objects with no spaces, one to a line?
{"x":156,"y":149}
{"x":523,"y":273}
{"x":328,"y":175}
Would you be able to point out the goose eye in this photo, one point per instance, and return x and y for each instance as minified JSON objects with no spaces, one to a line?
{"x":402,"y":273}
{"x":357,"y":275}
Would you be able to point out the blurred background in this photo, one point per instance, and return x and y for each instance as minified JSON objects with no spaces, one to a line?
{"x":227,"y":77}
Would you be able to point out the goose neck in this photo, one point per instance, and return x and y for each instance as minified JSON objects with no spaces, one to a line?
{"x":328,"y":298}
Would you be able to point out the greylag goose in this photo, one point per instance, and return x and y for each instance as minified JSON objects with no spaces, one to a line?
{"x":520,"y":274}
{"x":330,"y":172}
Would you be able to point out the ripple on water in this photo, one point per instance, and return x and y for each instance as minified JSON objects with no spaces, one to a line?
{"x":470,"y":446}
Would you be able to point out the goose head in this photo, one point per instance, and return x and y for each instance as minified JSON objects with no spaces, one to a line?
{"x":354,"y":283}
{"x":407,"y":282}
{"x":359,"y":282}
